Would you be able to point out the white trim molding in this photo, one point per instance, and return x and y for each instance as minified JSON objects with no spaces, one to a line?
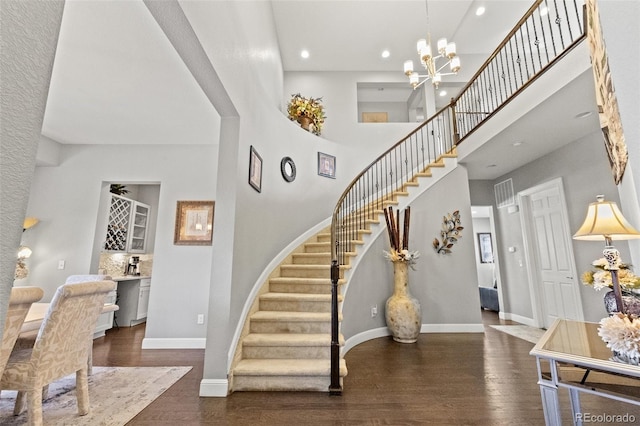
{"x":518,"y":318}
{"x":452,"y":328}
{"x":176,"y":343}
{"x":214,"y":388}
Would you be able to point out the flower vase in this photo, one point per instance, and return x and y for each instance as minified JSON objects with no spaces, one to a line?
{"x":631,"y":302}
{"x":306,"y":123}
{"x":402,"y":313}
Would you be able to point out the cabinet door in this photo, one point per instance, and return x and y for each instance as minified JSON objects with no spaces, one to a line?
{"x":143,"y":302}
{"x":105,"y":321}
{"x":139,"y":223}
{"x":118,"y":224}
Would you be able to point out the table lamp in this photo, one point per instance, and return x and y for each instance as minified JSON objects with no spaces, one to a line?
{"x":604,"y":221}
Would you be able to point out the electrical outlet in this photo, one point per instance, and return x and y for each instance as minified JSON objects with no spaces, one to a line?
{"x":200,"y":319}
{"x":60,"y":264}
{"x":374,"y":311}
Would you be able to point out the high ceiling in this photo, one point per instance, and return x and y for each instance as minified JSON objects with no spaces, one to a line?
{"x":118,"y":80}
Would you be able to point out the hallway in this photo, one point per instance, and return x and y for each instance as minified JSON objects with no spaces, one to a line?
{"x":443,"y":379}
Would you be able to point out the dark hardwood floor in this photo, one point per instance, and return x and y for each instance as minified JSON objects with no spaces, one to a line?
{"x":443,"y":379}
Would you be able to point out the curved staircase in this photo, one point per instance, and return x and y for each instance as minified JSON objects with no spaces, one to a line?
{"x":286,"y":346}
{"x":289,"y":335}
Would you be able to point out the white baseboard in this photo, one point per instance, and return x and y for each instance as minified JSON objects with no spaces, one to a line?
{"x":177,"y":343}
{"x":354,"y":341}
{"x":517,"y":318}
{"x":214,"y":387}
{"x":452,"y":328}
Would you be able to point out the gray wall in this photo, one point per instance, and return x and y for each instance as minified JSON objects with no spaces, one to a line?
{"x":28,"y":36}
{"x":445,"y":285}
{"x":585,"y":172}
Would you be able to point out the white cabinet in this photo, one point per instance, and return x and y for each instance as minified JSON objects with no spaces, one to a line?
{"x":133,"y":301}
{"x":127,"y":225}
{"x":105,"y":321}
{"x":143,"y":298}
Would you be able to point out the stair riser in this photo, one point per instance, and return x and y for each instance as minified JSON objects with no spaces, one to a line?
{"x":290,"y":327}
{"x":295,"y":306}
{"x":315,"y":259}
{"x":284,"y":383}
{"x":286,"y":352}
{"x":300,"y":288}
{"x":305,"y":272}
{"x":324,"y":238}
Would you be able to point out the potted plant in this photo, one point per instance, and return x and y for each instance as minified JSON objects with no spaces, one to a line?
{"x":309,"y":112}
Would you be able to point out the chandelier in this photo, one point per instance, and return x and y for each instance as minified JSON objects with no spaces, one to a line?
{"x":433,"y":64}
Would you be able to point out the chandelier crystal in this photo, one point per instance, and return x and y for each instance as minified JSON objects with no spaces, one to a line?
{"x":434,"y":65}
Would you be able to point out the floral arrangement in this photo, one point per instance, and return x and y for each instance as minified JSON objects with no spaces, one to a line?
{"x":307,"y":107}
{"x":621,"y":333}
{"x":601,"y":277}
{"x":399,"y":241}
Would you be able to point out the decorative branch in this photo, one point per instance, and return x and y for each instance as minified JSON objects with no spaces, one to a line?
{"x":451,"y":232}
{"x":398,"y":240}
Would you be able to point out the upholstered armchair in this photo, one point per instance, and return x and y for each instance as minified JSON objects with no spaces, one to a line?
{"x":20,"y":301}
{"x":61,"y":347}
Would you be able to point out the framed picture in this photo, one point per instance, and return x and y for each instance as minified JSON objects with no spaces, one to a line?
{"x":255,"y":169}
{"x":326,"y":165}
{"x":485,"y":247}
{"x":194,"y":223}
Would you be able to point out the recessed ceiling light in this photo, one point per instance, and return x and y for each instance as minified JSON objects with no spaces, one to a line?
{"x":386,"y":53}
{"x":583,"y":114}
{"x":544,"y":10}
{"x":480,"y":11}
{"x":304,"y":53}
{"x":518,"y":143}
{"x":443,"y":93}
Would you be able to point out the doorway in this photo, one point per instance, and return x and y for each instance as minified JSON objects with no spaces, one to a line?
{"x":553,"y":283}
{"x":487,"y":259}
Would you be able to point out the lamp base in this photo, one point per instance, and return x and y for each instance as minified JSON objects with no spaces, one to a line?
{"x":630,"y":304}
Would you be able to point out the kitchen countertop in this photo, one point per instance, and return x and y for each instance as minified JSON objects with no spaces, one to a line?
{"x":130,"y":277}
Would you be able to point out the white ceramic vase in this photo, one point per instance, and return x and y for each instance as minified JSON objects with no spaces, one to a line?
{"x":403,"y":313}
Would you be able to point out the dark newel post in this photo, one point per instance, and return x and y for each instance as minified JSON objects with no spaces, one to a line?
{"x":335,"y":388}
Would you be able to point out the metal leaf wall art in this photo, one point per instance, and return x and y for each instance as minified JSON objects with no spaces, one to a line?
{"x":450,"y":233}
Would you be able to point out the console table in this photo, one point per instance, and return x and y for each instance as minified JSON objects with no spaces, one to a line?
{"x":571,"y":355}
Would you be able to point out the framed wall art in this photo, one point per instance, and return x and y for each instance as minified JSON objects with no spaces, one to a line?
{"x":194,"y":223}
{"x":255,"y":169}
{"x":485,"y":248}
{"x":326,"y":165}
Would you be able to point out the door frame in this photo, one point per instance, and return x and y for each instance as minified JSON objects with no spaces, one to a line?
{"x":530,"y":257}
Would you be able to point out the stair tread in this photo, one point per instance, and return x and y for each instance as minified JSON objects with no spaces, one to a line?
{"x":287,"y":367}
{"x":303,"y":280}
{"x":287,"y":339}
{"x":295,"y":296}
{"x":291,"y":316}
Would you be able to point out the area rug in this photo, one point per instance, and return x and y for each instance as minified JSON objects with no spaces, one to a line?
{"x":116,"y":395}
{"x":530,"y":334}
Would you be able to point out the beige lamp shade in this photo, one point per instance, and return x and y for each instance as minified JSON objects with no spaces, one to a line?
{"x":29,"y":222}
{"x":604,"y":220}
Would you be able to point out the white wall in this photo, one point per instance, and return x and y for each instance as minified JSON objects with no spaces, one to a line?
{"x":66,"y":199}
{"x":485,"y":270}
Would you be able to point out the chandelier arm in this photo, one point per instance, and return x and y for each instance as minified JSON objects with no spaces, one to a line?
{"x":443,"y":66}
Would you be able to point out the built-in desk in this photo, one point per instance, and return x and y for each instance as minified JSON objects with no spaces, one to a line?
{"x":133,"y":299}
{"x":571,"y":355}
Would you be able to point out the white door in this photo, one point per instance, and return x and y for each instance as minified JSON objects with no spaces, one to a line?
{"x":554,"y":283}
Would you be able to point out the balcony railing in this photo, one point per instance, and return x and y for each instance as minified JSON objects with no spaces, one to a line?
{"x":548,"y":31}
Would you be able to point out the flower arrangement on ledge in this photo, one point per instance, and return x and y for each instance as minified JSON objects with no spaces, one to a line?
{"x":621,"y":333}
{"x":399,"y":251}
{"x":311,"y":108}
{"x":601,"y":277}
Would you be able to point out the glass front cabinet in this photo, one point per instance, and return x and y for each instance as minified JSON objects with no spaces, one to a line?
{"x":127,"y":225}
